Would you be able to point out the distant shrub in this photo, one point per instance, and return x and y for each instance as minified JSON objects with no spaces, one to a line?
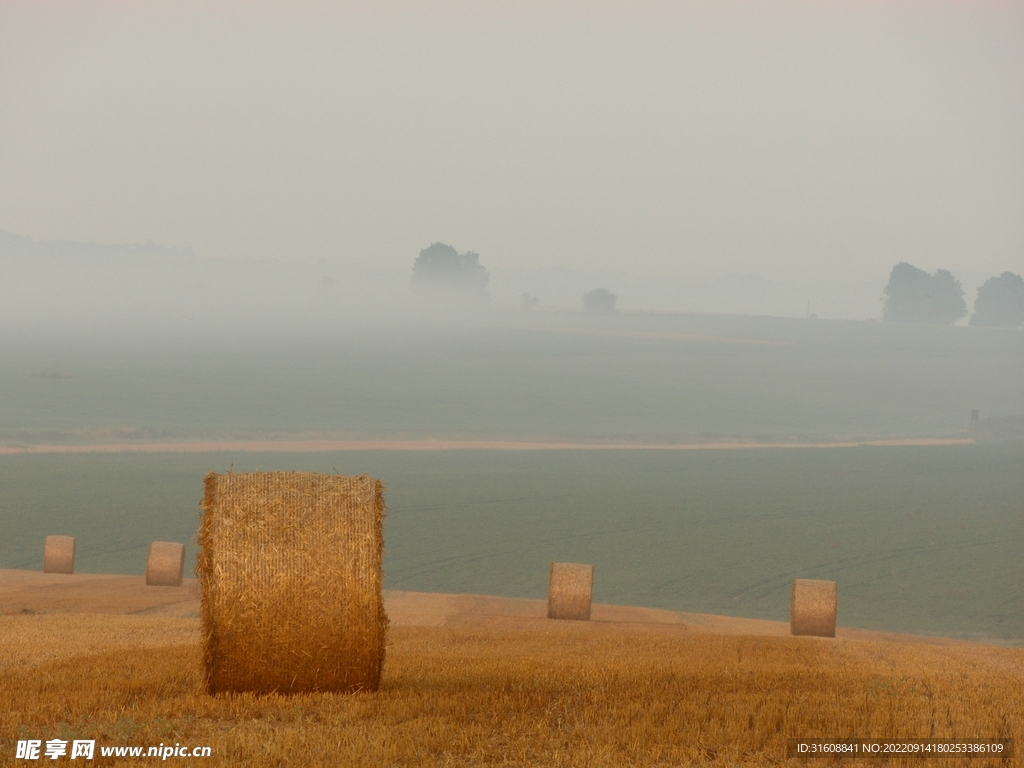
{"x":600,"y":301}
{"x":1000,"y":302}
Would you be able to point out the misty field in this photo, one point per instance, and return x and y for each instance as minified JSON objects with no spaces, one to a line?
{"x":919,"y":539}
{"x":572,"y":694}
{"x":630,"y":377}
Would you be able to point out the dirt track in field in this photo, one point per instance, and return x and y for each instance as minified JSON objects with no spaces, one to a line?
{"x":324,"y":446}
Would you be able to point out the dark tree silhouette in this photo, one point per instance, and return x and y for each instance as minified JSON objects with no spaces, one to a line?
{"x":600,"y":301}
{"x":528,"y":301}
{"x":914,"y":296}
{"x":1000,"y":302}
{"x":441,"y":267}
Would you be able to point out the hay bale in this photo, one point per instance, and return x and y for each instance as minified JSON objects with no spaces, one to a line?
{"x":570,"y":589}
{"x":812,"y":608}
{"x":290,"y":575}
{"x":165,"y":564}
{"x":59,"y":554}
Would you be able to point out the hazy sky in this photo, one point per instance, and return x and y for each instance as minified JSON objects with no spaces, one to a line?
{"x":791,"y":139}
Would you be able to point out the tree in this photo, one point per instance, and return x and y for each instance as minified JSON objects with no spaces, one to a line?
{"x":1000,"y":302}
{"x":441,"y":268}
{"x":600,"y":301}
{"x":914,"y":296}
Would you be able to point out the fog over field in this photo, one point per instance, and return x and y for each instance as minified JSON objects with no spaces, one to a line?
{"x":703,"y":157}
{"x":599,"y":224}
{"x":512,"y":382}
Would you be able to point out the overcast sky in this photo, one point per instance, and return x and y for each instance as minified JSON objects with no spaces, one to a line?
{"x":819,"y":140}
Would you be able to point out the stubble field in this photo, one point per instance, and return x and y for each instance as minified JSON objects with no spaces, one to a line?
{"x":557,"y":694}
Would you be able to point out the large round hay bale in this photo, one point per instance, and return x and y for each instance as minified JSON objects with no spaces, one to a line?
{"x":570,"y":589}
{"x":59,"y":554}
{"x":812,"y":608}
{"x":165,"y":564}
{"x":290,"y":576}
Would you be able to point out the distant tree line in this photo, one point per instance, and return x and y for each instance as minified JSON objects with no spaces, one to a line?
{"x":911,"y":295}
{"x":914,"y":296}
{"x":441,"y":273}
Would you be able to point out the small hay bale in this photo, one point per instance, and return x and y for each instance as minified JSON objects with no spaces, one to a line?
{"x":290,"y":576}
{"x":59,"y":554}
{"x":165,"y":564}
{"x":570,"y":589}
{"x":812,"y":608}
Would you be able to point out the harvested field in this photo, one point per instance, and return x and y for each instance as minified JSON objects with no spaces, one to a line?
{"x":27,"y":593}
{"x":492,"y":682}
{"x":33,"y":592}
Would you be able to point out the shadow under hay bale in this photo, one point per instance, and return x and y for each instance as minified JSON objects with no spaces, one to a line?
{"x":165,"y":564}
{"x":570,"y":589}
{"x":290,"y":577}
{"x":812,"y":608}
{"x":59,"y":554}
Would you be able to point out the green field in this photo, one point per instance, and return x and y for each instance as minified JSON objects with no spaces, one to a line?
{"x":922,"y":539}
{"x":677,"y":378}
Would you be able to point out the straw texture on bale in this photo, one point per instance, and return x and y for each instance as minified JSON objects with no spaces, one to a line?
{"x":570,"y":588}
{"x":165,"y":564}
{"x":290,"y":575}
{"x":59,"y":554}
{"x":812,"y":609}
